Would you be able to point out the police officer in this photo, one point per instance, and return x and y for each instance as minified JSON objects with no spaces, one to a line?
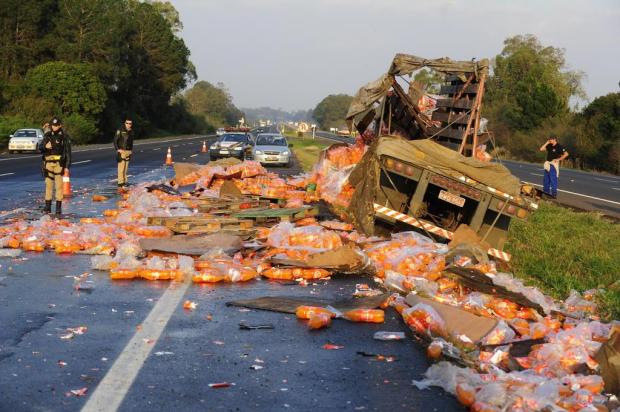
{"x":123,"y":143}
{"x":56,"y":158}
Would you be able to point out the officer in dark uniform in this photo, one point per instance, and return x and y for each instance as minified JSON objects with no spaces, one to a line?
{"x":56,"y":158}
{"x":123,"y":143}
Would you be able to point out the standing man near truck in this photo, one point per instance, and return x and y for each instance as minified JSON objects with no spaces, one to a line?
{"x":56,"y":158}
{"x":123,"y":143}
{"x":555,"y":154}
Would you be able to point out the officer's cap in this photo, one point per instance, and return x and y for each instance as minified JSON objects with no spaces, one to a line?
{"x":55,"y":121}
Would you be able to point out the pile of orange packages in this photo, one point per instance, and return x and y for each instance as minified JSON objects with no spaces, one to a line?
{"x":557,"y":372}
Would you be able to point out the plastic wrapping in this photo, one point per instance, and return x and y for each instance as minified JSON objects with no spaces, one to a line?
{"x":424,"y":320}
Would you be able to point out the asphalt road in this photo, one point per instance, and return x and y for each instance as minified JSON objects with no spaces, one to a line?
{"x":38,"y":303}
{"x":577,"y":189}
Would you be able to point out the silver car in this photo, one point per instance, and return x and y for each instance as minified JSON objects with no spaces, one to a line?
{"x":26,"y":140}
{"x":272,"y":148}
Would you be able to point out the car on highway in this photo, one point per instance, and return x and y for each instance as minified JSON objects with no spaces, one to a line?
{"x":26,"y":140}
{"x":237,"y":145}
{"x":272,"y":148}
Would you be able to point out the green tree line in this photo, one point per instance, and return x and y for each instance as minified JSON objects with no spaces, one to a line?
{"x":529,"y":96}
{"x":93,"y":62}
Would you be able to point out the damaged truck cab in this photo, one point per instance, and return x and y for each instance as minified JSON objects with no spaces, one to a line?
{"x":427,"y":167}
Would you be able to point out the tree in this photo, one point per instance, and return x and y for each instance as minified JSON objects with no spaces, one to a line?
{"x":530,"y":83}
{"x":598,"y":133}
{"x":73,"y":87}
{"x":430,"y":79}
{"x":213,"y":104}
{"x":332,"y":110}
{"x":23,"y":28}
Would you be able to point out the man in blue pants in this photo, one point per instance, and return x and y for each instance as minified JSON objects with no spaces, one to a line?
{"x":555,"y":154}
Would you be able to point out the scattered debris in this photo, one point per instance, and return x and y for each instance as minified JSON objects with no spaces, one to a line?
{"x":244,"y":326}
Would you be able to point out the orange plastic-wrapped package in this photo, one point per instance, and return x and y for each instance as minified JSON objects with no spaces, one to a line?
{"x":365,"y":315}
{"x":305,"y":312}
{"x":319,"y":321}
{"x":424,"y":320}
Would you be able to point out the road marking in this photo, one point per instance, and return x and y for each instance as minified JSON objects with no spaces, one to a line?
{"x":81,"y":161}
{"x":536,"y":174}
{"x":194,"y":155}
{"x":7,"y":174}
{"x":110,"y":393}
{"x":615,"y":188}
{"x":109,"y":146}
{"x":606,"y":180}
{"x":157,"y":148}
{"x":579,"y":194}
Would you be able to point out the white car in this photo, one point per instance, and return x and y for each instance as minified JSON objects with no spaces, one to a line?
{"x":272,"y":148}
{"x":26,"y":140}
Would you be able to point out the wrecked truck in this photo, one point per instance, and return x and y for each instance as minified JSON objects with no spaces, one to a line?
{"x":427,"y":166}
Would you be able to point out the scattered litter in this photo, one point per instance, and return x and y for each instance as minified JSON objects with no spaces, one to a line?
{"x":189,"y":305}
{"x":220,"y":385}
{"x":243,"y":326}
{"x":62,"y":364}
{"x":163,"y":353}
{"x":329,"y":346}
{"x":256,"y":367}
{"x":76,"y":392}
{"x":382,"y":335}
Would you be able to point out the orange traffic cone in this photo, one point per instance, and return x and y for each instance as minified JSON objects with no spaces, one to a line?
{"x":66,"y":184}
{"x":169,"y":157}
{"x":204,"y":147}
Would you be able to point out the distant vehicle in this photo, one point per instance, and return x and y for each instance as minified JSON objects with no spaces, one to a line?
{"x":343,"y":132}
{"x":237,"y":145}
{"x":272,"y":148}
{"x":220,"y":131}
{"x":26,"y":140}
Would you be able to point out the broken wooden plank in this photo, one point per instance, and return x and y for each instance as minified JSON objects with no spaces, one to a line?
{"x":453,"y":118}
{"x":459,"y":104}
{"x":455,"y":88}
{"x":279,"y":215}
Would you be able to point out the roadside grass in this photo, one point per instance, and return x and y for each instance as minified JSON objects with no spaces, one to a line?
{"x":560,"y":250}
{"x":307,"y":150}
{"x":557,"y":250}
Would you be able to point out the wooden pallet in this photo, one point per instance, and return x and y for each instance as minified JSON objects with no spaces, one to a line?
{"x":278,"y":215}
{"x":185,"y":224}
{"x":245,"y":234}
{"x":233,"y":206}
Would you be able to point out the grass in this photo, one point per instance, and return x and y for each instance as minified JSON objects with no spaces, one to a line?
{"x":559,"y":250}
{"x":307,"y":150}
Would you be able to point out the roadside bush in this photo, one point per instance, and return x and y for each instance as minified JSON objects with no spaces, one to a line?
{"x":8,"y":124}
{"x":81,"y":129}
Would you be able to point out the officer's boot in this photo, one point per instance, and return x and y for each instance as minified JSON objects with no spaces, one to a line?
{"x":48,"y":207}
{"x":58,"y":207}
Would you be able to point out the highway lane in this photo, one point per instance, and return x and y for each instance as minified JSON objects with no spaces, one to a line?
{"x":93,"y":166}
{"x":576,"y":188}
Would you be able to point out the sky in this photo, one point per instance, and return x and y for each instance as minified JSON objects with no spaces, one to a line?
{"x":290,"y":54}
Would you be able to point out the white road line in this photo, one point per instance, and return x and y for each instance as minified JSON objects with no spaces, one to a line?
{"x":7,"y":174}
{"x":606,"y":180}
{"x":615,"y":188}
{"x":80,"y":162}
{"x":194,"y":155}
{"x":579,"y":194}
{"x":536,"y":174}
{"x":157,"y":148}
{"x":114,"y":387}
